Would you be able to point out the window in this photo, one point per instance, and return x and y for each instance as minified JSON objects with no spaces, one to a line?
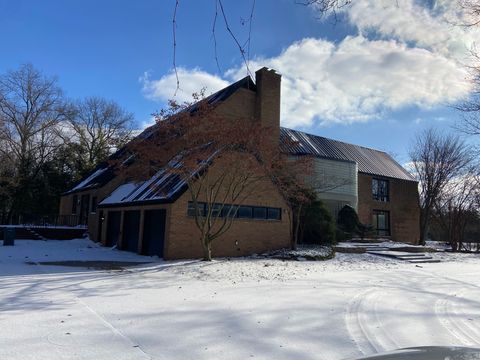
{"x":274,"y":213}
{"x":93,"y":206}
{"x":226,"y":209}
{"x":380,"y":190}
{"x":216,"y":210}
{"x":245,"y":212}
{"x":200,"y":208}
{"x":381,"y":222}
{"x":242,"y":212}
{"x":74,"y":204}
{"x":259,"y":212}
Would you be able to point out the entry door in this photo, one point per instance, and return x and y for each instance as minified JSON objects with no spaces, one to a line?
{"x":154,"y":232}
{"x":131,"y":229}
{"x":113,"y":228}
{"x":84,"y":206}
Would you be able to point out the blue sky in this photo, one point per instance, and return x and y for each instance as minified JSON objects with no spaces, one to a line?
{"x":375,"y":78}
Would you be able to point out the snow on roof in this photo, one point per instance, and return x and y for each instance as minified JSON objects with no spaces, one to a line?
{"x":120,"y":193}
{"x":87,"y":181}
{"x":164,"y":186}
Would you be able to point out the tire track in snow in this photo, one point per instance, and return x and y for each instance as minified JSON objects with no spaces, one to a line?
{"x":364,"y":324}
{"x":114,"y":330}
{"x":460,"y":327}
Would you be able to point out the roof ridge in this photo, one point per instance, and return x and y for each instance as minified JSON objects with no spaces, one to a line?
{"x":339,"y":141}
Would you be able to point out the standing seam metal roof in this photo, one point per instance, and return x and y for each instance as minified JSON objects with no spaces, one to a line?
{"x":369,"y":161}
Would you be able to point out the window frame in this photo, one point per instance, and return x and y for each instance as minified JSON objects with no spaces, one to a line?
{"x":386,"y":231}
{"x":235,"y":210}
{"x":382,"y":196}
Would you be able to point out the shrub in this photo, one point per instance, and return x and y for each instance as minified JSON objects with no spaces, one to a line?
{"x":318,"y":225}
{"x":349,"y":223}
{"x":348,"y":219}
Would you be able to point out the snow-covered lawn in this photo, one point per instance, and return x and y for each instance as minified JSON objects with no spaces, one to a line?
{"x":229,"y":309}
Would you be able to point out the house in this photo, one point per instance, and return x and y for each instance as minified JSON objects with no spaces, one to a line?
{"x":152,"y":216}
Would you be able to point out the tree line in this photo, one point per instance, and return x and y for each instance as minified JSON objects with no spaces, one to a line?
{"x":48,"y":142}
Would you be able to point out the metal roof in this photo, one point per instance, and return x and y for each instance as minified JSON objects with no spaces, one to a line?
{"x":369,"y":161}
{"x":103,"y":173}
{"x":214,"y":99}
{"x":98,"y":177}
{"x":163,"y":187}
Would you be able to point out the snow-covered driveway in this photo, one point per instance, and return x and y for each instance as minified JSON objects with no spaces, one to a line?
{"x":237,"y":309}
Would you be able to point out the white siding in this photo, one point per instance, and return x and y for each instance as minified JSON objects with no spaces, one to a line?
{"x":336,"y":183}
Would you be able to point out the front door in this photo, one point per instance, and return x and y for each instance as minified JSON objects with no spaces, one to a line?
{"x":84,"y":206}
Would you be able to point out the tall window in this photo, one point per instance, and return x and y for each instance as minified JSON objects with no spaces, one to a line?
{"x":241,"y":212}
{"x":380,"y":190}
{"x":381,"y":222}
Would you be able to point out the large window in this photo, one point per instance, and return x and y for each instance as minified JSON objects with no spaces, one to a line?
{"x":380,"y":190}
{"x":241,"y":212}
{"x":381,"y":222}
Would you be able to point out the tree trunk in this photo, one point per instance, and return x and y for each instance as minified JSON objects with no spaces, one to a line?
{"x":207,"y":249}
{"x":424,"y":217}
{"x":296,"y":231}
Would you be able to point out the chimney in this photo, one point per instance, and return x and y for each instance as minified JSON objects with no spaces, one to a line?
{"x":267,"y":104}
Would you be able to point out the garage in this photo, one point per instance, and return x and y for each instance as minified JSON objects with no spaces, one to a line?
{"x":154,"y":232}
{"x":131,"y":227}
{"x":113,"y":228}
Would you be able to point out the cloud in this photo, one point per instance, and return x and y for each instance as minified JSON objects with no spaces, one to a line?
{"x":428,"y":24}
{"x":147,"y":123}
{"x":191,"y":81}
{"x":358,"y":79}
{"x":403,"y":55}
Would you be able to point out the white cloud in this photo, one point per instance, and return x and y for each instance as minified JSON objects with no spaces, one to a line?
{"x":147,"y":123}
{"x":191,"y":81}
{"x":414,"y":58}
{"x":429,"y":24}
{"x":358,"y":79}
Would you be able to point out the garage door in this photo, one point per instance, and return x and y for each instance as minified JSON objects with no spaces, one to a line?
{"x":131,"y":227}
{"x":154,"y":232}
{"x":113,"y":228}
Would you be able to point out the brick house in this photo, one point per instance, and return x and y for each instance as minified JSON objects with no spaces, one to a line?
{"x":136,"y":218}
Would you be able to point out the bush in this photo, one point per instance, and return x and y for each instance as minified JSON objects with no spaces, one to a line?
{"x":349,"y":223}
{"x":348,"y":219}
{"x":318,"y":225}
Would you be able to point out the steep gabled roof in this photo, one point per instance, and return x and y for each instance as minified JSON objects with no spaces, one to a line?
{"x":369,"y":161}
{"x":163,"y":187}
{"x":98,"y":177}
{"x":104,"y":172}
{"x":214,"y":99}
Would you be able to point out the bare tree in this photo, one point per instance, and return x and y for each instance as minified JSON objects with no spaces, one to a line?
{"x":470,"y":108}
{"x":31,"y":108}
{"x":224,"y":162}
{"x":96,"y":128}
{"x":437,"y":159}
{"x":456,"y":205}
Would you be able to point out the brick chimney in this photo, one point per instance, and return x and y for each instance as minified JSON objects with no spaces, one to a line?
{"x":267,"y":103}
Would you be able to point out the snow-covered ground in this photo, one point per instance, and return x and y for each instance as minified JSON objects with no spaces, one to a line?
{"x":240,"y":308}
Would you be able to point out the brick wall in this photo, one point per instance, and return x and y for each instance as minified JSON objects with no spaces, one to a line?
{"x":403,"y":207}
{"x":246,"y":236}
{"x":66,"y":202}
